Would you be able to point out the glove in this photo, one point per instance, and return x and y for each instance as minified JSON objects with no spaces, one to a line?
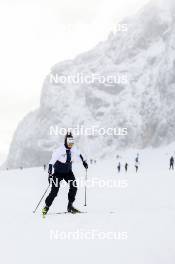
{"x":85,"y":164}
{"x":50,"y":178}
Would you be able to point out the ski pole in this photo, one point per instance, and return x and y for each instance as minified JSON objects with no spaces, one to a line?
{"x":85,"y":191}
{"x":41,"y":199}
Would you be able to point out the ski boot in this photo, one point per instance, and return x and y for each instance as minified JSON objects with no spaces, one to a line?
{"x":44,"y":211}
{"x":71,"y":209}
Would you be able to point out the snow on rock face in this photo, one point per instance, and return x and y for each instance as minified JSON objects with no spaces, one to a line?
{"x":145,"y":53}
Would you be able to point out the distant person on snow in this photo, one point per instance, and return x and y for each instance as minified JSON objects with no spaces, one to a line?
{"x":61,"y":161}
{"x":171,"y":163}
{"x":136,"y":164}
{"x":126,"y":166}
{"x":137,"y":159}
{"x":119,"y":167}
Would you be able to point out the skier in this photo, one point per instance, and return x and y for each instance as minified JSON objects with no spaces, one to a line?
{"x":171,"y":163}
{"x":136,"y":164}
{"x":119,"y":167}
{"x":44,"y":166}
{"x":126,"y":166}
{"x":61,"y":160}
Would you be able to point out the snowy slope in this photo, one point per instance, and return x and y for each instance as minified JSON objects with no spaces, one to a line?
{"x":145,"y":210}
{"x":144,"y":104}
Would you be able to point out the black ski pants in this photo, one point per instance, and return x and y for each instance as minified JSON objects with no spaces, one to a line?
{"x":57,"y":178}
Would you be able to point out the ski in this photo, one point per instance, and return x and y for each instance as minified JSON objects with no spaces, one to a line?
{"x":59,"y":213}
{"x":63,"y":213}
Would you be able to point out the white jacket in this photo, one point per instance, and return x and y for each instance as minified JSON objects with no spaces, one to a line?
{"x":60,"y":155}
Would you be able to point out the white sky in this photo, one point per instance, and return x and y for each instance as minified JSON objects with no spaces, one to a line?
{"x":36,"y":34}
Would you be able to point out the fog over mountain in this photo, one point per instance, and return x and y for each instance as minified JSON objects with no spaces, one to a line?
{"x":141,"y":55}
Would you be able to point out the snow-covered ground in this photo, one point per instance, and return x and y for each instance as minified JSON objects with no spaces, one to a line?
{"x":139,"y":212}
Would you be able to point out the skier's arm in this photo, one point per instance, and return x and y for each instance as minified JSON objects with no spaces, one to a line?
{"x":84,"y":162}
{"x":54,"y":158}
{"x":50,"y":169}
{"x":79,"y":156}
{"x":50,"y":173}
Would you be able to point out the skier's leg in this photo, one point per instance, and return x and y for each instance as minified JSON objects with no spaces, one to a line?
{"x":70,"y":178}
{"x":54,"y":190}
